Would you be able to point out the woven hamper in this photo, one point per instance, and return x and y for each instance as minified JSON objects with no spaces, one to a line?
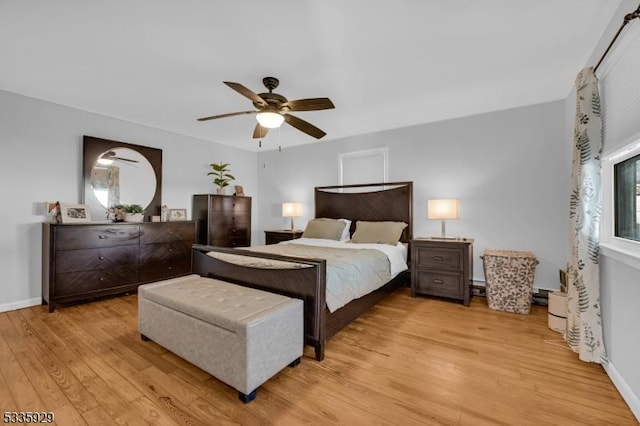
{"x":509,"y":279}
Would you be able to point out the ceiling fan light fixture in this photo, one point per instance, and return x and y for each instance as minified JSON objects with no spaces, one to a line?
{"x":105,"y":161}
{"x":270,"y":120}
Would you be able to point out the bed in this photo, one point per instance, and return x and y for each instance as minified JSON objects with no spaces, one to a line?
{"x":306,"y":278}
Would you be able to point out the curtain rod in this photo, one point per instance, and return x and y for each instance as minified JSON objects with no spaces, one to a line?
{"x":627,"y":18}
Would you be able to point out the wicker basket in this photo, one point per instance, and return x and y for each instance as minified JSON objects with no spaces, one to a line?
{"x":509,"y":279}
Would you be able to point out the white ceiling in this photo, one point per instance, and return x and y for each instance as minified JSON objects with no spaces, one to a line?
{"x":384,"y":64}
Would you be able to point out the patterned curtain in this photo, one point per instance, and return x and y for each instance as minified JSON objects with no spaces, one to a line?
{"x":584,"y":326}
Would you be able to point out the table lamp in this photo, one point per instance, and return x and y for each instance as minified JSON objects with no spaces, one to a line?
{"x":443,"y":209}
{"x":292,"y":210}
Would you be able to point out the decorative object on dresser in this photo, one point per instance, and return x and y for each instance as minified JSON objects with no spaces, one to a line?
{"x":442,"y":268}
{"x":222,"y":220}
{"x":292,"y":210}
{"x":84,"y":261}
{"x":443,"y":209}
{"x":277,"y":235}
{"x":177,"y":215}
{"x":74,"y":213}
{"x":222,"y":176}
{"x":131,"y":174}
{"x":133,"y":213}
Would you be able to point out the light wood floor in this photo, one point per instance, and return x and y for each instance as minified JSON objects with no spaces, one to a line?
{"x":407,"y":362}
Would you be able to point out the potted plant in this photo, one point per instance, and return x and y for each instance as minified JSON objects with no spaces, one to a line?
{"x":133,"y":212}
{"x":222,"y":177}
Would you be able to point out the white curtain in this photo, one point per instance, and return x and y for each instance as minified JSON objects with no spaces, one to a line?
{"x":584,"y":326}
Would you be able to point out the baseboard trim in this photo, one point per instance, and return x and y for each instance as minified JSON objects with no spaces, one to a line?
{"x":5,"y":307}
{"x":629,"y":397}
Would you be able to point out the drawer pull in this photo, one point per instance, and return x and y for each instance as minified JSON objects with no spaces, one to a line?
{"x":438,"y":258}
{"x":170,"y":268}
{"x":170,"y":250}
{"x":170,"y":232}
{"x":437,"y":281}
{"x":102,"y":237}
{"x":101,"y":279}
{"x":101,"y":257}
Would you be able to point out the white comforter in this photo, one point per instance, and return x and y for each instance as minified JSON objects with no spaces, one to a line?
{"x":343,"y":285}
{"x":397,"y":254}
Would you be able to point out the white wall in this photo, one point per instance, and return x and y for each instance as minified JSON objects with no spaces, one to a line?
{"x":510,"y":170}
{"x":42,"y":160}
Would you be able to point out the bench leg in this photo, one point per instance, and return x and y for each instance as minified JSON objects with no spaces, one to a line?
{"x":144,"y":338}
{"x":295,"y":362}
{"x":248,"y":398}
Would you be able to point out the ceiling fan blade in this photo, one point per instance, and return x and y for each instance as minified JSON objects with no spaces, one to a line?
{"x":246,"y":92}
{"x":231,"y":114}
{"x":304,"y":126}
{"x":124,"y":159}
{"x":313,"y":104}
{"x":259,"y":131}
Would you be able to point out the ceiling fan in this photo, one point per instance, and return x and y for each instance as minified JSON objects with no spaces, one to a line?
{"x":273,"y":109}
{"x":110,"y":156}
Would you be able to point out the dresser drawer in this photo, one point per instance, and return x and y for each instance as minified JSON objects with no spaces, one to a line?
{"x":166,"y":232}
{"x":439,"y":257}
{"x":101,"y":258}
{"x":158,"y":252}
{"x":84,"y":237}
{"x":72,"y":283}
{"x":165,"y":269}
{"x":231,"y":204}
{"x":443,"y":284}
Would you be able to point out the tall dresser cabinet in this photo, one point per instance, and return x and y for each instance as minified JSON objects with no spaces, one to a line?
{"x":83,"y":261}
{"x":222,"y":220}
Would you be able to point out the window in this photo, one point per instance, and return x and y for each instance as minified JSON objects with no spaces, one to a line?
{"x":627,"y":198}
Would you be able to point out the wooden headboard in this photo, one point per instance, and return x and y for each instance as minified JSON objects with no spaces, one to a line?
{"x":392,"y":201}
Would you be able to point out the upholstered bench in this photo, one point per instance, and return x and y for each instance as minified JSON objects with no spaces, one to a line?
{"x":239,"y":335}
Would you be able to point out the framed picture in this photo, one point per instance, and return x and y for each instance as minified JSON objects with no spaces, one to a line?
{"x":52,"y":209}
{"x":74,"y":213}
{"x":177,"y":214}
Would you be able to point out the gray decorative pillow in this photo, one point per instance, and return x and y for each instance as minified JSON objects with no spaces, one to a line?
{"x":378,"y":232}
{"x":328,"y":229}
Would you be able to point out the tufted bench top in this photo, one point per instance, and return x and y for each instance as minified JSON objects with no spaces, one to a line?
{"x":216,"y":302}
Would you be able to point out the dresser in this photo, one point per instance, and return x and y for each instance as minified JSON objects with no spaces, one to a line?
{"x":222,"y":220}
{"x":84,"y":261}
{"x":277,"y":235}
{"x":442,"y":268}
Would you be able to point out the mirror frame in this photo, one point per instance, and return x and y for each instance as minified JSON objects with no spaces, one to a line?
{"x":92,"y":147}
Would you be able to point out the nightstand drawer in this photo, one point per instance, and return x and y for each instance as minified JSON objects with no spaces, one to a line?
{"x":439,"y":258}
{"x":276,"y":236}
{"x":443,"y":284}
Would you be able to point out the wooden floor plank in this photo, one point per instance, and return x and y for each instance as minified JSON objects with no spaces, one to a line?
{"x":407,"y":361}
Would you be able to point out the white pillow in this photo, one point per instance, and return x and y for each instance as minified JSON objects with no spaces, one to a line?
{"x":346,"y":232}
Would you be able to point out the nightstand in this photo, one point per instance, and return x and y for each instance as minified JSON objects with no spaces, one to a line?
{"x":275,"y":236}
{"x":442,"y":268}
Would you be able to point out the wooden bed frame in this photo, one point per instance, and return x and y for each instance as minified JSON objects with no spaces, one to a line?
{"x":389,"y":202}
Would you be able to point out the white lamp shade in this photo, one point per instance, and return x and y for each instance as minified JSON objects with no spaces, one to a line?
{"x":270,"y":120}
{"x":291,"y":209}
{"x":443,"y":208}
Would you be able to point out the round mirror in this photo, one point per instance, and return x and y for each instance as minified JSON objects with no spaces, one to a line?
{"x":122,"y":176}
